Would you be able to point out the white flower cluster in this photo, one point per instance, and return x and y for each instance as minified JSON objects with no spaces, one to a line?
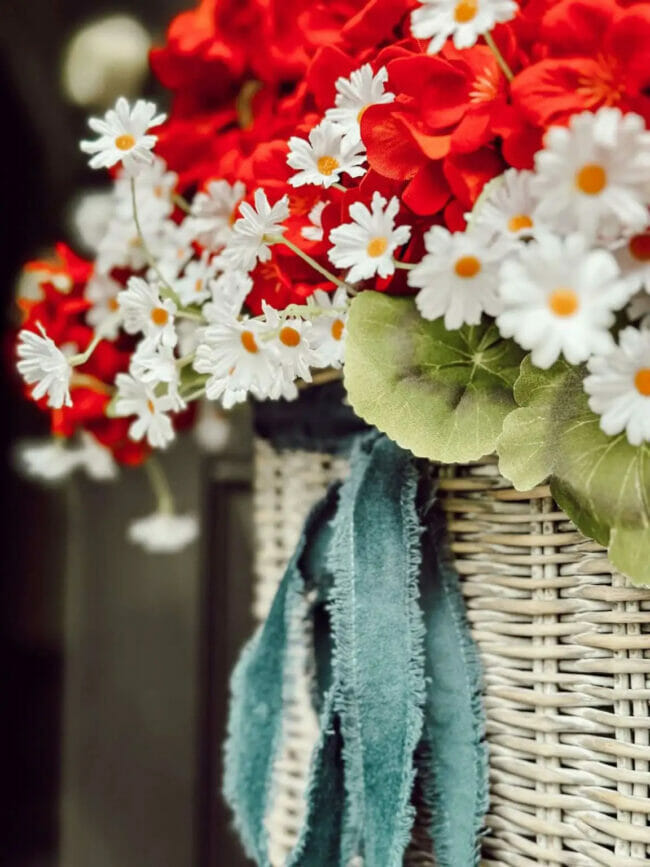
{"x":554,"y":255}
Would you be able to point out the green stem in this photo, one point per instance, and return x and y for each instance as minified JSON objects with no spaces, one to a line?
{"x":166,"y":290}
{"x":500,"y":59}
{"x":100,"y":333}
{"x":185,"y":360}
{"x":160,"y":485}
{"x":279,"y":239}
{"x":405,"y":266}
{"x":190,"y":314}
{"x":182,"y":203}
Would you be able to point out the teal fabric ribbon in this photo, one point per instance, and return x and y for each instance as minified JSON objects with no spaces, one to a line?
{"x":397,"y":686}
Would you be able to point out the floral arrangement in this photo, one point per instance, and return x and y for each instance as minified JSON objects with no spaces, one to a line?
{"x":444,"y":202}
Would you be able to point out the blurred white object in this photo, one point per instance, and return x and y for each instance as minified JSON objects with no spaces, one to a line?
{"x":106,"y":59}
{"x":90,"y":215}
{"x":212,"y":429}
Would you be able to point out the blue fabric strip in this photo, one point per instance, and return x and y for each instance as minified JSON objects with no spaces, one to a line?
{"x":456,"y":779}
{"x":378,"y":654}
{"x":395,"y":668}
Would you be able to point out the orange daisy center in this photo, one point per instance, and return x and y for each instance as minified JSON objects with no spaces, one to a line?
{"x":289,"y":336}
{"x":337,"y":329}
{"x":520,"y":222}
{"x":563,"y":302}
{"x":125,"y":141}
{"x":377,"y":247}
{"x":248,"y":342}
{"x":467,"y":266}
{"x":326,"y":165}
{"x":159,"y":316}
{"x":642,"y":381}
{"x":465,"y":11}
{"x":591,"y":179}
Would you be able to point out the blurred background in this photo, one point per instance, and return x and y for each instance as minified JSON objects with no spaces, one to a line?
{"x":112,"y":665}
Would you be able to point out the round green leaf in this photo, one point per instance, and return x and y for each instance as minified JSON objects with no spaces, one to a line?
{"x":601,"y":482}
{"x":442,"y":394}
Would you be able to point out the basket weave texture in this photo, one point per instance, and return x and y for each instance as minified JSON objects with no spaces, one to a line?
{"x":565,"y":644}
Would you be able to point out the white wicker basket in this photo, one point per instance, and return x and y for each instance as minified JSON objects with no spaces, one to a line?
{"x":565,"y":643}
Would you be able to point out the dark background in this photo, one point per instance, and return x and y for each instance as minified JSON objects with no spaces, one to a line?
{"x":42,"y":169}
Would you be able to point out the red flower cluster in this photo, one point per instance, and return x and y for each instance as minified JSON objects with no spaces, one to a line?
{"x":248,"y":75}
{"x":60,"y":308}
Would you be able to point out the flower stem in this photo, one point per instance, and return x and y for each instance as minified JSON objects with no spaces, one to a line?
{"x":500,"y":59}
{"x":185,"y":360}
{"x":85,"y":380}
{"x":160,"y":485}
{"x":166,"y":289}
{"x":405,"y":266}
{"x":105,"y":328}
{"x":181,"y":202}
{"x":279,"y":239}
{"x":189,"y":314}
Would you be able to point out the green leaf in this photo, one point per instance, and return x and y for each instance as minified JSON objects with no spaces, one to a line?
{"x":442,"y":394}
{"x":601,"y":482}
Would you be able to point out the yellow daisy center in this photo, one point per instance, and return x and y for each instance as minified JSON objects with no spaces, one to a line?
{"x":642,"y":381}
{"x":520,"y":222}
{"x":159,"y":316}
{"x":639,"y":247}
{"x":467,"y":266}
{"x":326,"y":165}
{"x":337,"y":329}
{"x":377,"y":247}
{"x":150,"y":406}
{"x":465,"y":11}
{"x":289,"y":336}
{"x":591,"y":179}
{"x":563,"y":302}
{"x":248,"y":342}
{"x":125,"y":141}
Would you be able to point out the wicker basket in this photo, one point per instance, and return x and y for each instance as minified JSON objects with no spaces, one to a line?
{"x":565,"y":643}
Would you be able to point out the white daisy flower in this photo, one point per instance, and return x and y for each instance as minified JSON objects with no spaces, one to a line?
{"x":194,"y":286}
{"x":49,"y":460}
{"x":250,"y":239}
{"x":618,"y":386}
{"x":457,"y":277}
{"x":327,"y":335}
{"x":230,"y":290}
{"x":638,"y":310}
{"x":95,"y":458}
{"x":145,"y":311}
{"x":43,"y":365}
{"x":291,"y":343}
{"x":634,"y":260}
{"x":123,"y":136}
{"x":354,"y":95}
{"x":172,"y":249}
{"x":558,"y":298}
{"x":121,"y":247}
{"x":154,"y":189}
{"x":214,"y":213}
{"x":153,"y":364}
{"x":164,"y":532}
{"x":314,"y":232}
{"x":101,"y":290}
{"x":138,"y":399}
{"x":367,"y":245}
{"x":593,"y":176}
{"x":465,"y":20}
{"x":327,"y":155}
{"x":238,"y":358}
{"x":212,"y":428}
{"x":507,"y":206}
